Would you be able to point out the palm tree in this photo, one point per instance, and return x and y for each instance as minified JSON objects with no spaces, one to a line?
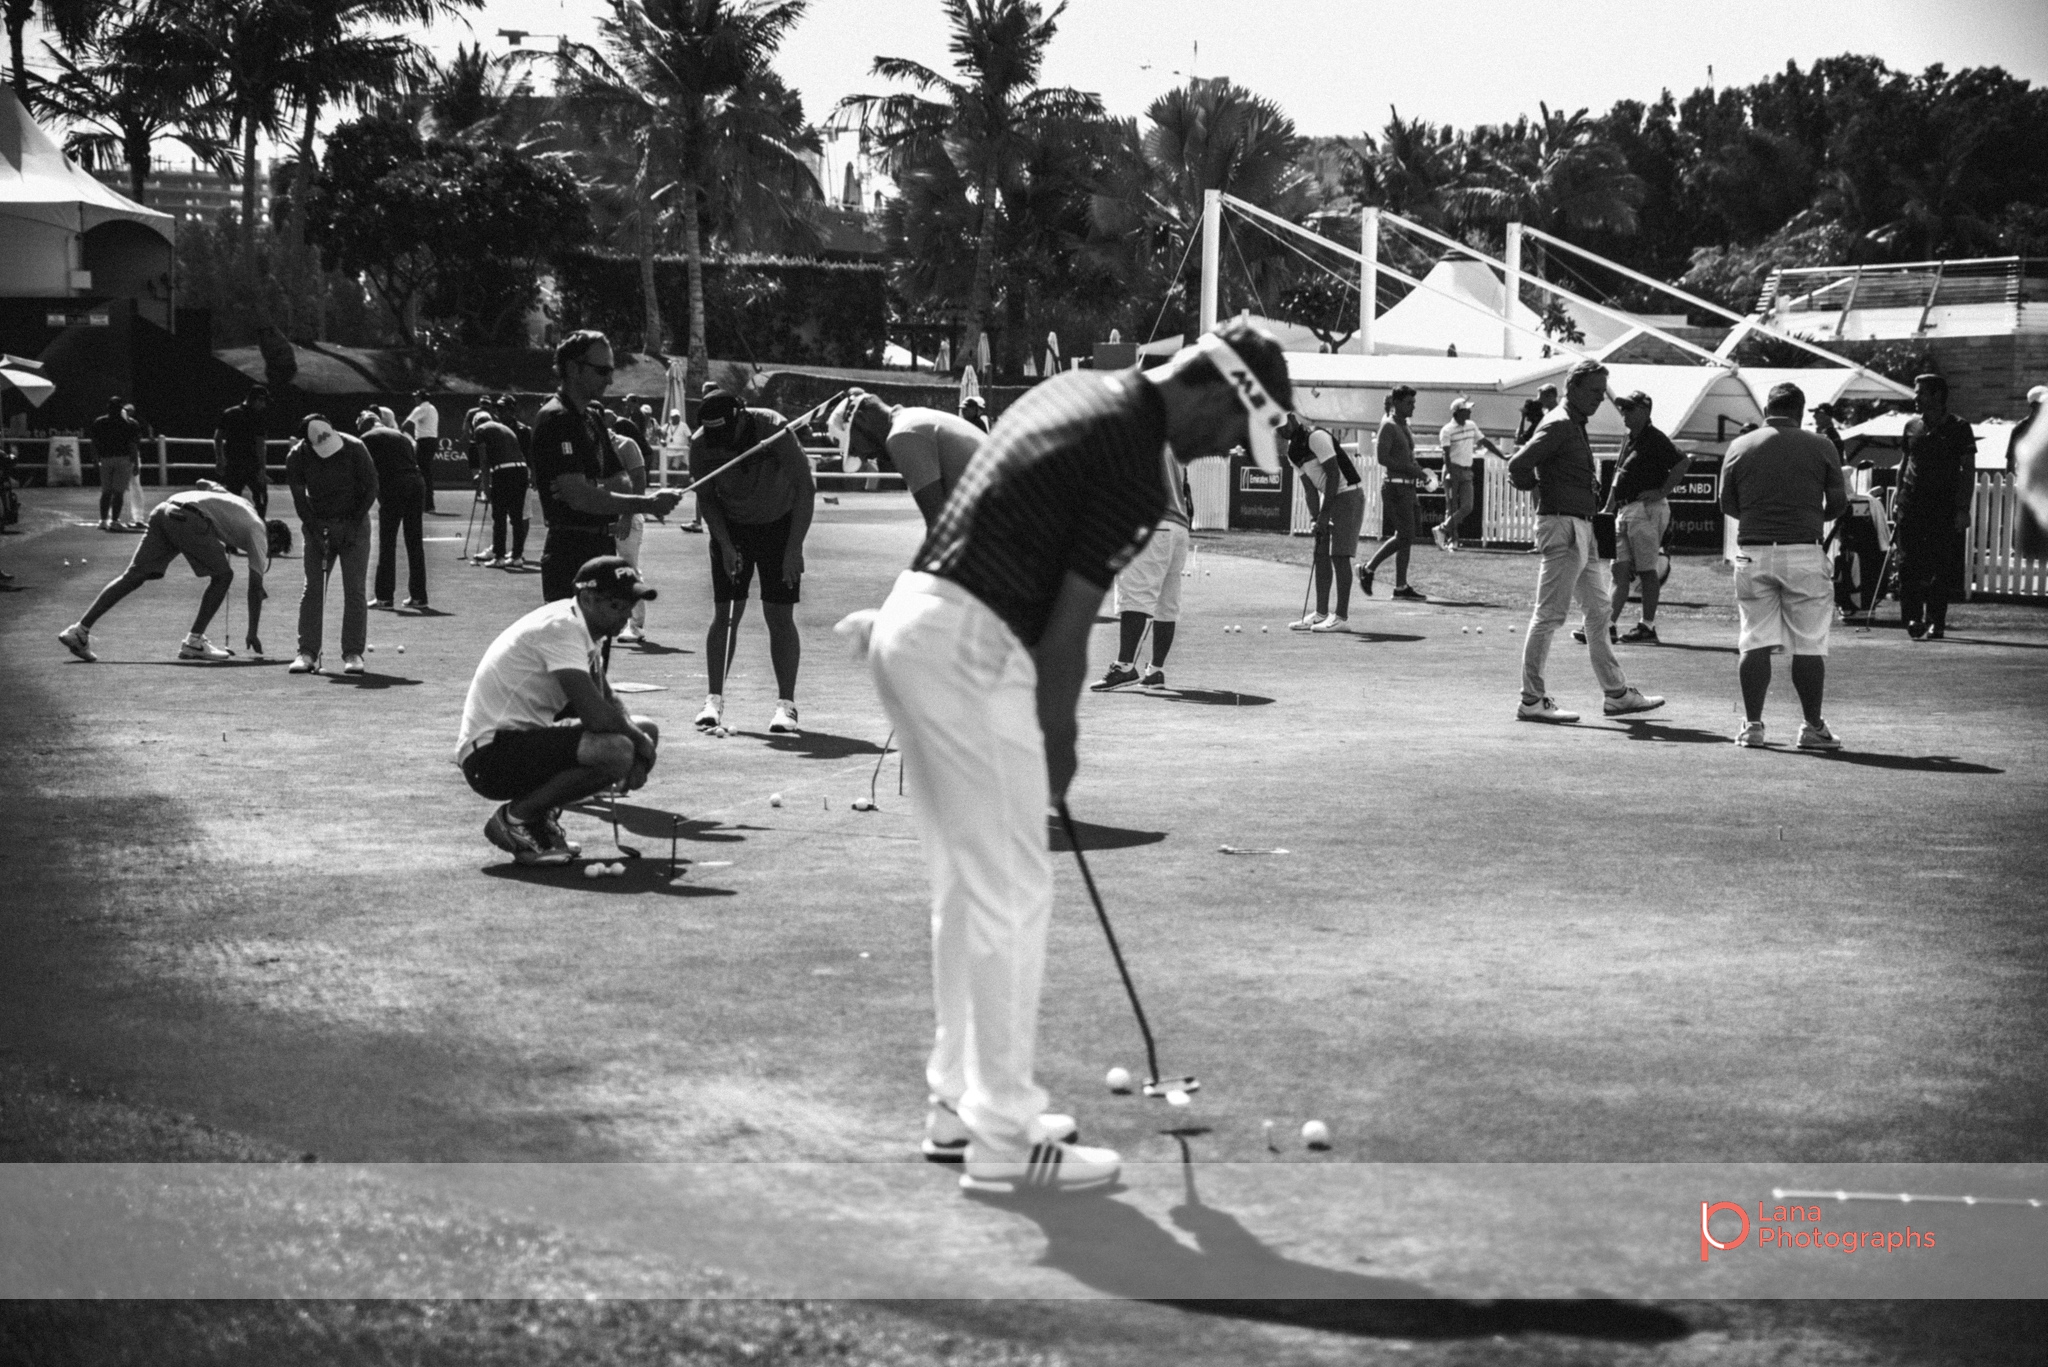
{"x":72,"y":20}
{"x":1559,"y":174}
{"x":462,"y":97}
{"x":692,"y":80}
{"x":987,"y":122}
{"x":120,"y":101}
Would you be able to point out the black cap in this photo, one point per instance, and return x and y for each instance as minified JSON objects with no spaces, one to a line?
{"x":717,"y":411}
{"x":611,"y":576}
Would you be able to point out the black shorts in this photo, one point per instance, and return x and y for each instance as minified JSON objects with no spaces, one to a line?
{"x":517,"y":762}
{"x":759,"y":543}
{"x":566,"y":550}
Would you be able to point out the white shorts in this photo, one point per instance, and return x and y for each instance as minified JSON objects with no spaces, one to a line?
{"x":1639,"y":532}
{"x":1151,"y":582}
{"x":1786,"y":598}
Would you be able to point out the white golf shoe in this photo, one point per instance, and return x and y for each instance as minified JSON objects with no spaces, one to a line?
{"x":1050,"y":1167}
{"x":784,"y":721}
{"x":714,"y":709}
{"x":946,"y":1137}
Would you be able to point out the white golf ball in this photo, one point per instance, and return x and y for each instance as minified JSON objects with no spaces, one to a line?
{"x":593,"y":870}
{"x":1316,"y":1134}
{"x":1264,"y":630}
{"x":1226,"y":630}
{"x":371,"y":649}
{"x":1176,"y":1097}
{"x":1511,"y":631}
{"x":1464,"y":631}
{"x":1118,"y":1080}
{"x":401,"y":650}
{"x":67,"y":563}
{"x":1479,"y":631}
{"x":861,"y":804}
{"x":617,"y":870}
{"x":775,"y":799}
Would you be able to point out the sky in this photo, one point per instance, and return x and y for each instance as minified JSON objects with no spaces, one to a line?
{"x":1336,"y":66}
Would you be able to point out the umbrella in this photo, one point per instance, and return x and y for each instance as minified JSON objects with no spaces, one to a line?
{"x":945,"y":357}
{"x":970,"y":385}
{"x":1052,"y":353}
{"x":19,"y":373}
{"x":981,"y":353}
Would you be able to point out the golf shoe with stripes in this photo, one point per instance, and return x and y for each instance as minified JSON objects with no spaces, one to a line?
{"x":946,"y":1136}
{"x":1049,"y":1167}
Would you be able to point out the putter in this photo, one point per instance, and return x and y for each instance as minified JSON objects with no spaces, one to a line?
{"x":612,"y":806}
{"x":1155,"y":1085}
{"x":799,"y":420}
{"x":873,"y":805}
{"x":475,"y":498}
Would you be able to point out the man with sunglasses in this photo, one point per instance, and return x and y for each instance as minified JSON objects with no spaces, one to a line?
{"x":571,"y":458}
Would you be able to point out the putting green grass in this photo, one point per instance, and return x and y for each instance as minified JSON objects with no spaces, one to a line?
{"x":265,"y":900}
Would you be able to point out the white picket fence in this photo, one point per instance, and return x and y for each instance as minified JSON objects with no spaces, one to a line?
{"x":1996,"y":567}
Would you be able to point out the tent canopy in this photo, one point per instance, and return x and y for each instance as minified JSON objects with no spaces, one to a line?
{"x":39,"y":184}
{"x":1460,"y":304}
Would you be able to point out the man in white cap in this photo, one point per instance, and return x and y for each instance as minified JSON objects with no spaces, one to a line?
{"x":334,"y":486}
{"x":979,"y":656}
{"x":1460,"y":439}
{"x":2013,"y":445}
{"x":929,"y":448}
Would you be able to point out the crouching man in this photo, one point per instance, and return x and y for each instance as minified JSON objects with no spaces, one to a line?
{"x":541,"y":727}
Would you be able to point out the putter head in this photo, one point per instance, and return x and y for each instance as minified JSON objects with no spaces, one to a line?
{"x":1159,"y":1087}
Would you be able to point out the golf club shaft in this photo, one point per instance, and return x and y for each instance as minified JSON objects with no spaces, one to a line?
{"x":1116,"y":951}
{"x":762,"y":445}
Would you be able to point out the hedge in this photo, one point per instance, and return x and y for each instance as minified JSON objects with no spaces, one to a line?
{"x":758,"y":309}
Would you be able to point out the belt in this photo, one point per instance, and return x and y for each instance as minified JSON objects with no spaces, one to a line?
{"x":509,"y":465}
{"x":462,"y":755}
{"x":1776,"y":543}
{"x":1399,"y":479}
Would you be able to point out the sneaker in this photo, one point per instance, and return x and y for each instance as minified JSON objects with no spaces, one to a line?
{"x":1409,"y":593}
{"x":548,"y":826}
{"x":1116,"y":676}
{"x":199,"y":648}
{"x":783,"y":723}
{"x":1331,"y":624}
{"x":305,"y":664}
{"x":517,"y":562}
{"x":1307,"y":623}
{"x":486,"y":558}
{"x":1047,"y":1167}
{"x":1642,"y":633}
{"x":1153,"y":677}
{"x":946,"y":1137}
{"x":695,"y":524}
{"x":1365,"y":580}
{"x":1436,"y":534}
{"x":78,"y":641}
{"x":1635,"y":700}
{"x":714,"y":709}
{"x":630,"y":635}
{"x":1751,"y":736}
{"x":381,"y":603}
{"x":351,"y":664}
{"x":1917,"y":630}
{"x":1817,"y":736}
{"x":1543,"y":709}
{"x":519,"y":840}
{"x":1613,"y":636}
{"x":416,"y":604}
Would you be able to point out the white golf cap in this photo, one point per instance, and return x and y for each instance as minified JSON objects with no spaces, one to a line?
{"x":322,"y":437}
{"x":1263,"y":414}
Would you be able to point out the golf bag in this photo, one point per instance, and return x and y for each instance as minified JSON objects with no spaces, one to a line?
{"x":1856,"y":549}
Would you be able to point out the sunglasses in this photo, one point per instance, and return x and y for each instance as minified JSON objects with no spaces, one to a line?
{"x":603,"y":370}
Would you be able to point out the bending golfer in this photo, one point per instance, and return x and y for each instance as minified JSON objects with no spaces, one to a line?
{"x":928,"y":447}
{"x":197,"y":524}
{"x":546,"y":665}
{"x":333,"y":483}
{"x":759,"y":513}
{"x":1336,"y":500}
{"x":979,"y":656}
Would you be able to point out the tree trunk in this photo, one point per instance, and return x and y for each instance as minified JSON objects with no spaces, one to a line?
{"x":18,"y":12}
{"x":137,"y":145}
{"x":984,"y":270}
{"x":652,"y":333}
{"x":302,"y":175}
{"x":698,"y":369}
{"x":249,"y":194}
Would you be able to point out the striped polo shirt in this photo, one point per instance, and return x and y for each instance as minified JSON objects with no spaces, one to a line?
{"x":1069,"y":481}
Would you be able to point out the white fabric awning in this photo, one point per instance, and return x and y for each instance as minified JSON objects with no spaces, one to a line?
{"x":39,"y":184}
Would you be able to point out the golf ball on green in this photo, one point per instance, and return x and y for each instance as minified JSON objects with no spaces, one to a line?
{"x":1176,"y":1097}
{"x":775,"y":799}
{"x":593,"y":870}
{"x":617,"y":870}
{"x":1316,"y":1134}
{"x":1118,"y":1080}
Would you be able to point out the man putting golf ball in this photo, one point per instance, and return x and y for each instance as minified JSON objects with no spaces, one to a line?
{"x":979,"y":656}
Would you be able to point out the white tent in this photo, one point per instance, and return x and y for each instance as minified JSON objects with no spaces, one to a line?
{"x":1460,"y":304}
{"x":48,"y":206}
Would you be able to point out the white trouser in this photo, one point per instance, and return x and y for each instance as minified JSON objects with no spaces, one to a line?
{"x":629,"y":551}
{"x":1568,"y":568}
{"x":962,"y":692}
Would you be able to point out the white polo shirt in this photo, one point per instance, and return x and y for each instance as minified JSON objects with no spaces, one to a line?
{"x":426,"y":421}
{"x":515,"y":688}
{"x":1460,"y":441}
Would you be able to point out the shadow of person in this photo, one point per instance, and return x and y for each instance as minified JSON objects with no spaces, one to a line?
{"x":1118,"y":1250}
{"x":1094,"y":837}
{"x":1664,"y":731}
{"x":656,"y":824}
{"x":818,"y":745}
{"x":1207,"y":697}
{"x":1918,"y":764}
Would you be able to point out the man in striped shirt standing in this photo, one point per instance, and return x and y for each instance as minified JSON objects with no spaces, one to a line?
{"x":979,"y":656}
